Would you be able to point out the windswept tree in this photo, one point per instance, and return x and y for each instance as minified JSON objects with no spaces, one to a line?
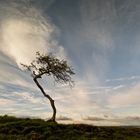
{"x":50,"y":66}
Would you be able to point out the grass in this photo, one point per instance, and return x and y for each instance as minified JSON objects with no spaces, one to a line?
{"x":12,"y":128}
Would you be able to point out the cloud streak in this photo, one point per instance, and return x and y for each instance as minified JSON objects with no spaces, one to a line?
{"x":126,"y":97}
{"x":22,"y":35}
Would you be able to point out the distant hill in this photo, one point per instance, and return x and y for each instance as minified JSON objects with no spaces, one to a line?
{"x":12,"y":128}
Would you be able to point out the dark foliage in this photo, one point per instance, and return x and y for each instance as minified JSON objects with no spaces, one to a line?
{"x":50,"y":66}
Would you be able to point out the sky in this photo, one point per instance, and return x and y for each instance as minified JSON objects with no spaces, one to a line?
{"x":100,"y":39}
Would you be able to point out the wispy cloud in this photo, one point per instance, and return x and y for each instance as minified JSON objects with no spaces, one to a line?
{"x":119,"y":121}
{"x":63,"y":118}
{"x":4,"y":102}
{"x":124,"y":79}
{"x":28,"y":33}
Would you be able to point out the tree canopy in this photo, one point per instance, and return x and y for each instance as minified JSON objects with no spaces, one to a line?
{"x":50,"y":66}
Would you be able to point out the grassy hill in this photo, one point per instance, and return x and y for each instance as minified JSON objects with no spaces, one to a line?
{"x":12,"y":128}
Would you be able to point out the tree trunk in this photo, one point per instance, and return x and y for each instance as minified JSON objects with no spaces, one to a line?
{"x":50,"y":99}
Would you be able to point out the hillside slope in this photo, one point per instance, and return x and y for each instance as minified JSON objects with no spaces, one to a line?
{"x":12,"y":128}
